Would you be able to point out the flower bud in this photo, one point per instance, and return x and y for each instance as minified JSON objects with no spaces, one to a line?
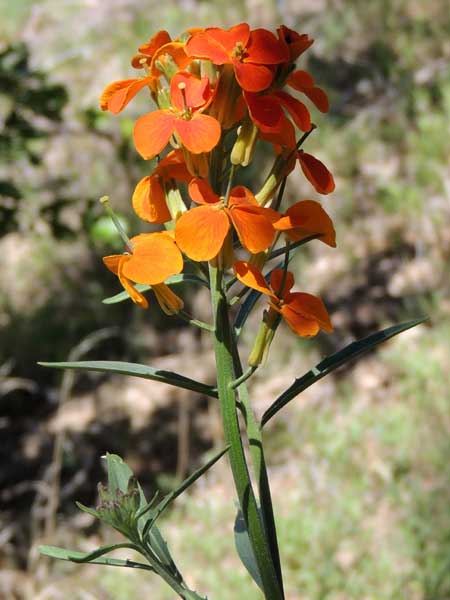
{"x":244,"y":147}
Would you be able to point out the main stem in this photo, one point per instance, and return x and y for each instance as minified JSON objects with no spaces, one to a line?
{"x":223,"y":346}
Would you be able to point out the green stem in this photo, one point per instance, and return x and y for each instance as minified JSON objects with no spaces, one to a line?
{"x":174,"y":583}
{"x":223,"y":346}
{"x":259,"y":466}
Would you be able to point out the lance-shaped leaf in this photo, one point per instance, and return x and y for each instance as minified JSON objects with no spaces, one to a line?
{"x":245,"y":550}
{"x":95,"y":557}
{"x":167,"y":500}
{"x":136,"y":370}
{"x":142,"y":287}
{"x":329,"y":364}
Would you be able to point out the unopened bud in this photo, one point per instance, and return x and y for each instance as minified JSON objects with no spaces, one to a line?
{"x":244,"y":147}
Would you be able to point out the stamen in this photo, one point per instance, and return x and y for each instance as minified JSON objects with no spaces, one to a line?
{"x":182,"y":88}
{"x":118,"y":225}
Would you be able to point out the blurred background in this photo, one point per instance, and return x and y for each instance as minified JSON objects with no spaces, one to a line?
{"x":360,"y":463}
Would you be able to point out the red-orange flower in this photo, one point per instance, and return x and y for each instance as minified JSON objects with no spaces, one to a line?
{"x":303,"y":82}
{"x":149,"y":197}
{"x":266,"y":111}
{"x":189,"y":96}
{"x":306,"y":218}
{"x":201,"y":232}
{"x":155,"y":257}
{"x":316,"y":173}
{"x":294,"y":42}
{"x":305,"y":314}
{"x":252,"y":53}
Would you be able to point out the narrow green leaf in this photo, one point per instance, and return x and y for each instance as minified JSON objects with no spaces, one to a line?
{"x":90,"y":511}
{"x":136,"y":370}
{"x":119,"y":473}
{"x":332,"y":362}
{"x":244,"y":549}
{"x":159,"y":546}
{"x":187,"y":483}
{"x":181,"y":278}
{"x":75,"y":556}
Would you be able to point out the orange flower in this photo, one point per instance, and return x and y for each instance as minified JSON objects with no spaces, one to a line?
{"x":252,"y":53}
{"x":307,"y":218}
{"x":189,"y":96}
{"x":305,"y":314}
{"x":155,"y":257}
{"x":149,"y":197}
{"x":201,"y":232}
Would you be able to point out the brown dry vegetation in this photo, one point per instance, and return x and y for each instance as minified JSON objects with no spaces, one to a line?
{"x":359,"y":463}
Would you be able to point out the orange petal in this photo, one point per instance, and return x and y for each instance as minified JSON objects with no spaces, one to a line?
{"x":173,"y":166}
{"x":149,"y":200}
{"x":299,"y":324}
{"x":152,"y":132}
{"x":199,"y":134}
{"x":254,"y":229}
{"x":201,"y":231}
{"x":276,"y":277}
{"x":303,"y":82}
{"x":316,"y":173}
{"x":196,"y":92}
{"x":265,"y":49}
{"x":242,"y":196}
{"x":306,"y":314}
{"x":300,"y":80}
{"x":117,"y":94}
{"x":307,"y":218}
{"x":265,"y":111}
{"x":176,"y":51}
{"x":160,"y":38}
{"x":252,"y":78}
{"x":251,"y":277}
{"x":298,"y":111}
{"x":113,"y":261}
{"x":201,"y":45}
{"x":229,"y":38}
{"x":155,"y":258}
{"x":201,"y":192}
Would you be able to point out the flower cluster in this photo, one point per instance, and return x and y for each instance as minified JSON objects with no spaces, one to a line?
{"x":216,"y":93}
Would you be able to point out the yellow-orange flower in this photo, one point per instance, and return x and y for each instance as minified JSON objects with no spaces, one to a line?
{"x":154,"y":258}
{"x":189,"y":97}
{"x":306,"y":218}
{"x":201,"y":232}
{"x":149,"y":197}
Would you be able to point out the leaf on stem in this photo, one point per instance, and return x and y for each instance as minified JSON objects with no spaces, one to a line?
{"x":98,"y":559}
{"x":245,"y":550}
{"x":332,"y":362}
{"x":136,"y":370}
{"x":141,"y":287}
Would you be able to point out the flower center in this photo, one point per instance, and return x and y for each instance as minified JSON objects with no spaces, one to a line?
{"x":239,"y":51}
